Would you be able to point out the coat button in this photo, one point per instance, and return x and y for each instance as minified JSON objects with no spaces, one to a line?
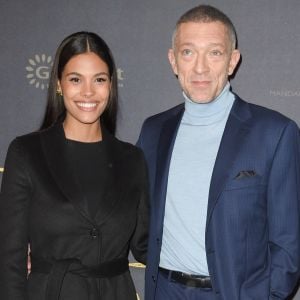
{"x":153,"y":278}
{"x":94,"y":233}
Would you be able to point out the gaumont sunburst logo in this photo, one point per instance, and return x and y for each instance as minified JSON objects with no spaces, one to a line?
{"x":38,"y":70}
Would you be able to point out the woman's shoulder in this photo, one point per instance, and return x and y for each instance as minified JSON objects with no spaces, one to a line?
{"x":124,"y":148}
{"x":29,"y":141}
{"x":127,"y":146}
{"x":26,"y":139}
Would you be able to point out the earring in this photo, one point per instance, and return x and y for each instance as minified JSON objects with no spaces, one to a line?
{"x":59,"y":92}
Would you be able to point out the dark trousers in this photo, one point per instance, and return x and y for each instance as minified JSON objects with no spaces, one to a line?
{"x":169,"y":290}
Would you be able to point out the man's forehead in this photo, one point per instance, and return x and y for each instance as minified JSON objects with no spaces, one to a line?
{"x":211,"y":32}
{"x":205,"y":27}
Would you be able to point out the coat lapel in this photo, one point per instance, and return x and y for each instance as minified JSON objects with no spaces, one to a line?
{"x":164,"y":153}
{"x":235,"y":132}
{"x":115,"y":174}
{"x":54,"y":148}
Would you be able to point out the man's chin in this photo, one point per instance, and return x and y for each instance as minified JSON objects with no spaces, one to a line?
{"x":200,"y":100}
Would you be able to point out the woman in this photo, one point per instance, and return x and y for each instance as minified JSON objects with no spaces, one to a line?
{"x":72,"y":191}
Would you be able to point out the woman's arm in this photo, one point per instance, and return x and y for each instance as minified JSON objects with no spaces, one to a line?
{"x":14,"y":205}
{"x":139,"y":241}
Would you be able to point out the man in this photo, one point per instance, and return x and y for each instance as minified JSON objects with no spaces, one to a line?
{"x":224,"y":178}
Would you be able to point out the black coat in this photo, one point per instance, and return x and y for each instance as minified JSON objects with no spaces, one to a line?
{"x":41,"y":204}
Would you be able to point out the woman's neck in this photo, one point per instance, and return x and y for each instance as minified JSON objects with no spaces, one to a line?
{"x":87,"y":133}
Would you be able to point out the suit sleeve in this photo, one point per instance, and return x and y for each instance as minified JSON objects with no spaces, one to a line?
{"x":284,"y":214}
{"x":139,"y":241}
{"x":14,"y":198}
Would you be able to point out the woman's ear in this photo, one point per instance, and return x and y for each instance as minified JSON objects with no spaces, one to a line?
{"x":58,"y":89}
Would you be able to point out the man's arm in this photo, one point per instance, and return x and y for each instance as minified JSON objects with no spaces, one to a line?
{"x":284,"y":214}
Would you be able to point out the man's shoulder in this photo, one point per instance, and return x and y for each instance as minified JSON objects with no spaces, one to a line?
{"x":153,"y":125}
{"x":164,"y":115}
{"x":261,"y":113}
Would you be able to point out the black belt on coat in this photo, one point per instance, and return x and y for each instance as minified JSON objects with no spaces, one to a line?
{"x":58,"y":269}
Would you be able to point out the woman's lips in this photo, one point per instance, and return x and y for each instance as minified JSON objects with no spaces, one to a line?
{"x":86,"y":106}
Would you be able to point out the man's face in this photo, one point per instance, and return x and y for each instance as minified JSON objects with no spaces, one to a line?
{"x":203,"y":59}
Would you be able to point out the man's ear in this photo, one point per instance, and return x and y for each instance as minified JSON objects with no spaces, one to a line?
{"x":172,"y":61}
{"x":234,"y":60}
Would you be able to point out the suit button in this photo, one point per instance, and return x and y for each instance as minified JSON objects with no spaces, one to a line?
{"x":153,"y":278}
{"x":94,"y":233}
{"x":157,"y":241}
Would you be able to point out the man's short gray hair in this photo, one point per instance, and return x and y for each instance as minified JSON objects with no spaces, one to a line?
{"x":206,"y":14}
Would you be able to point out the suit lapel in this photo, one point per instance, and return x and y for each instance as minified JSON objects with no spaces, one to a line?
{"x":235,"y":132}
{"x":164,"y":153}
{"x":54,"y":148}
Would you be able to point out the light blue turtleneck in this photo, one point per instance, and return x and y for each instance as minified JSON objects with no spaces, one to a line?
{"x":192,"y":162}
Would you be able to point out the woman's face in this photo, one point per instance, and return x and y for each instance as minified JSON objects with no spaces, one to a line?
{"x":85,"y":85}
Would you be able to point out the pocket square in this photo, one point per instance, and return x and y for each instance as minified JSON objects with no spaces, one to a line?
{"x":243,"y":174}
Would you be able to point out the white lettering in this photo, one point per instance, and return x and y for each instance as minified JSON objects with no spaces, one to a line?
{"x":285,"y":93}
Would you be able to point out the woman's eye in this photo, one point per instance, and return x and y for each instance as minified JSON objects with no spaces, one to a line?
{"x":74,"y":79}
{"x":101,"y":79}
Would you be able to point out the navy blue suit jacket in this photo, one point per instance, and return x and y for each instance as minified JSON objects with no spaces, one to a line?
{"x":252,"y":230}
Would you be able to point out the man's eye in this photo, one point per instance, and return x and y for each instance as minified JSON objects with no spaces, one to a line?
{"x":187,"y":52}
{"x":216,"y":52}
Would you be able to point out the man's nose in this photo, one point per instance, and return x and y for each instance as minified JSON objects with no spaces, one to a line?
{"x":201,"y":64}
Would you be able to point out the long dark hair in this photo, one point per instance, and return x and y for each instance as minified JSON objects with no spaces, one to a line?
{"x":74,"y":44}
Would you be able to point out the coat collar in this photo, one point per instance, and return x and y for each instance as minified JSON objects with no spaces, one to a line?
{"x":54,"y":148}
{"x":164,"y":153}
{"x":235,"y":132}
